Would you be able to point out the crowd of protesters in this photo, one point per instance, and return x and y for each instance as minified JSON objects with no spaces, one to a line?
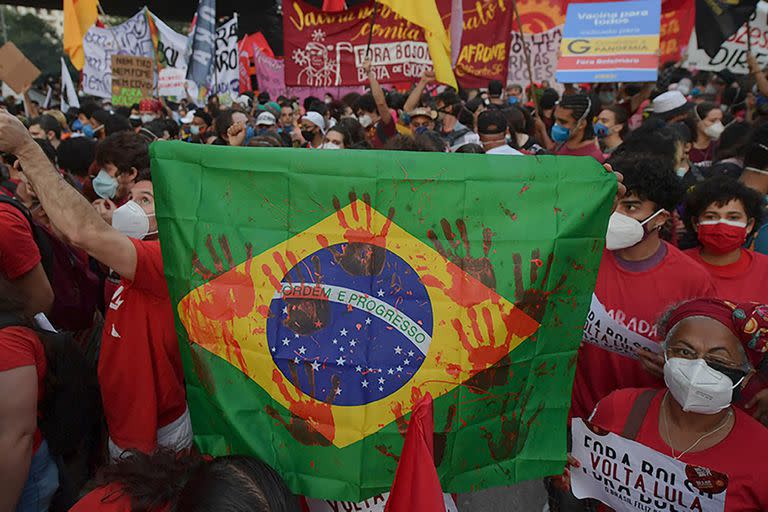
{"x":685,"y":266}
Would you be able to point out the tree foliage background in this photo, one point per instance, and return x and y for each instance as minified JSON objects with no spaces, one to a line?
{"x":36,"y":39}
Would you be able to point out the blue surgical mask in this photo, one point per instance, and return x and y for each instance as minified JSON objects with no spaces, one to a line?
{"x":88,"y":130}
{"x":249,"y":133}
{"x":560,"y":133}
{"x":194,"y":129}
{"x":512,"y":100}
{"x":104,"y":185}
{"x":420,"y":130}
{"x":601,"y":130}
{"x":77,"y":125}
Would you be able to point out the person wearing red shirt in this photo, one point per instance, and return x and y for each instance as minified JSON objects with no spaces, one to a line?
{"x":28,"y":474}
{"x":167,"y":481}
{"x":374,"y":105}
{"x":573,"y":133}
{"x":723,"y":212}
{"x":691,"y":419}
{"x":140,"y":373}
{"x":640,"y":276}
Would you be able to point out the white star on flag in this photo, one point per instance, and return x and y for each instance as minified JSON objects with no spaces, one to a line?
{"x":399,"y":368}
{"x":368,"y":321}
{"x":273,"y":349}
{"x":286,"y":341}
{"x":381,"y":380}
{"x":391,"y":371}
{"x":380,"y":293}
{"x":364,"y":383}
{"x":410,"y":353}
{"x":340,"y":361}
{"x":341,"y":349}
{"x":398,"y":350}
{"x":358,"y":369}
{"x":338,"y":391}
{"x":381,"y":388}
{"x":302,"y":350}
{"x":296,"y":360}
{"x":285,"y":310}
{"x":315,"y":365}
{"x":343,"y":332}
{"x":335,"y":341}
{"x":407,"y":361}
{"x":295,"y":335}
{"x":353,"y":343}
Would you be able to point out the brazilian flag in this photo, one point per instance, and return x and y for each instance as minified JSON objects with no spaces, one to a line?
{"x":320,"y":294}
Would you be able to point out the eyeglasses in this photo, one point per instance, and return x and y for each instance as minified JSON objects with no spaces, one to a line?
{"x":686,"y":353}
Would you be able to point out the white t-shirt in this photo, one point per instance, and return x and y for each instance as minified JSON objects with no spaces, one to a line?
{"x":504,"y":150}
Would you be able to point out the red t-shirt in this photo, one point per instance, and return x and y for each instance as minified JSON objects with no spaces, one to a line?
{"x":589,"y":150}
{"x":18,"y":250}
{"x":383,"y":133}
{"x":637,"y":300}
{"x":743,"y":281}
{"x":702,"y":157}
{"x":20,"y":346}
{"x":108,"y":499}
{"x":741,"y":455}
{"x":140,"y":372}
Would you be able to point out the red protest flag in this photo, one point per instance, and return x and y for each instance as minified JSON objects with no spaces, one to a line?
{"x":416,"y":485}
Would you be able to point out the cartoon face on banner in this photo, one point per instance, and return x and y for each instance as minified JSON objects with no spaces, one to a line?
{"x":321,"y":62}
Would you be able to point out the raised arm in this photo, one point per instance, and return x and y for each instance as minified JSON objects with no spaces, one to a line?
{"x":415,"y":97}
{"x":69,"y":211}
{"x":378,"y":93}
{"x":759,"y":74}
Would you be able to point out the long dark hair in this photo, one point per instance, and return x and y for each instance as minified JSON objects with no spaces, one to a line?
{"x":189,"y":483}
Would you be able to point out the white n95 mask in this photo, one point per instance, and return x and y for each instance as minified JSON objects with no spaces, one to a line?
{"x":624,"y":231}
{"x":132,"y":221}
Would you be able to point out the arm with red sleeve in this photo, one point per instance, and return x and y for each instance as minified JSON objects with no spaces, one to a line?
{"x":20,"y":260}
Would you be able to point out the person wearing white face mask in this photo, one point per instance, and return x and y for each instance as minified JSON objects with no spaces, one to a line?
{"x":692,"y":418}
{"x":708,"y":130}
{"x":140,"y":374}
{"x":640,"y":276}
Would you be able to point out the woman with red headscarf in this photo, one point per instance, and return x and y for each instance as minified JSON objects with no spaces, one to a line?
{"x":693,"y":419}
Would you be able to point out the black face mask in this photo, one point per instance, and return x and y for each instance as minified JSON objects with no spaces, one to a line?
{"x":732,"y":373}
{"x":308,"y":135}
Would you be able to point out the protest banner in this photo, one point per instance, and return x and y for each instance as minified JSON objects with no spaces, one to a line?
{"x":627,"y":475}
{"x":172,"y":55}
{"x":327,"y":49}
{"x":130,"y":38}
{"x":484,"y":53}
{"x":270,"y":73}
{"x":132,"y":79}
{"x":335,"y":318}
{"x":202,"y":48}
{"x":226,"y":77}
{"x":732,"y":54}
{"x":610,"y":42}
{"x":543,"y":48}
{"x":374,"y":504}
{"x":16,"y":69}
{"x":607,"y":332}
{"x":676,"y":28}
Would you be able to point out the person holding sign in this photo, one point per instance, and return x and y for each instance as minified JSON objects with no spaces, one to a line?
{"x":640,"y":276}
{"x":692,"y":420}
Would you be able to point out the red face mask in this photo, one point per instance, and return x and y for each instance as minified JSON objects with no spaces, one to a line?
{"x":722,"y":236}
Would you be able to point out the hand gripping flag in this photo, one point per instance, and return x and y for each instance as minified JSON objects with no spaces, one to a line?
{"x":320,"y":294}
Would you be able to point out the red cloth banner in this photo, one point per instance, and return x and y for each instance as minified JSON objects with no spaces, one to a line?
{"x":327,"y":49}
{"x":484,"y":53}
{"x":676,"y":28}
